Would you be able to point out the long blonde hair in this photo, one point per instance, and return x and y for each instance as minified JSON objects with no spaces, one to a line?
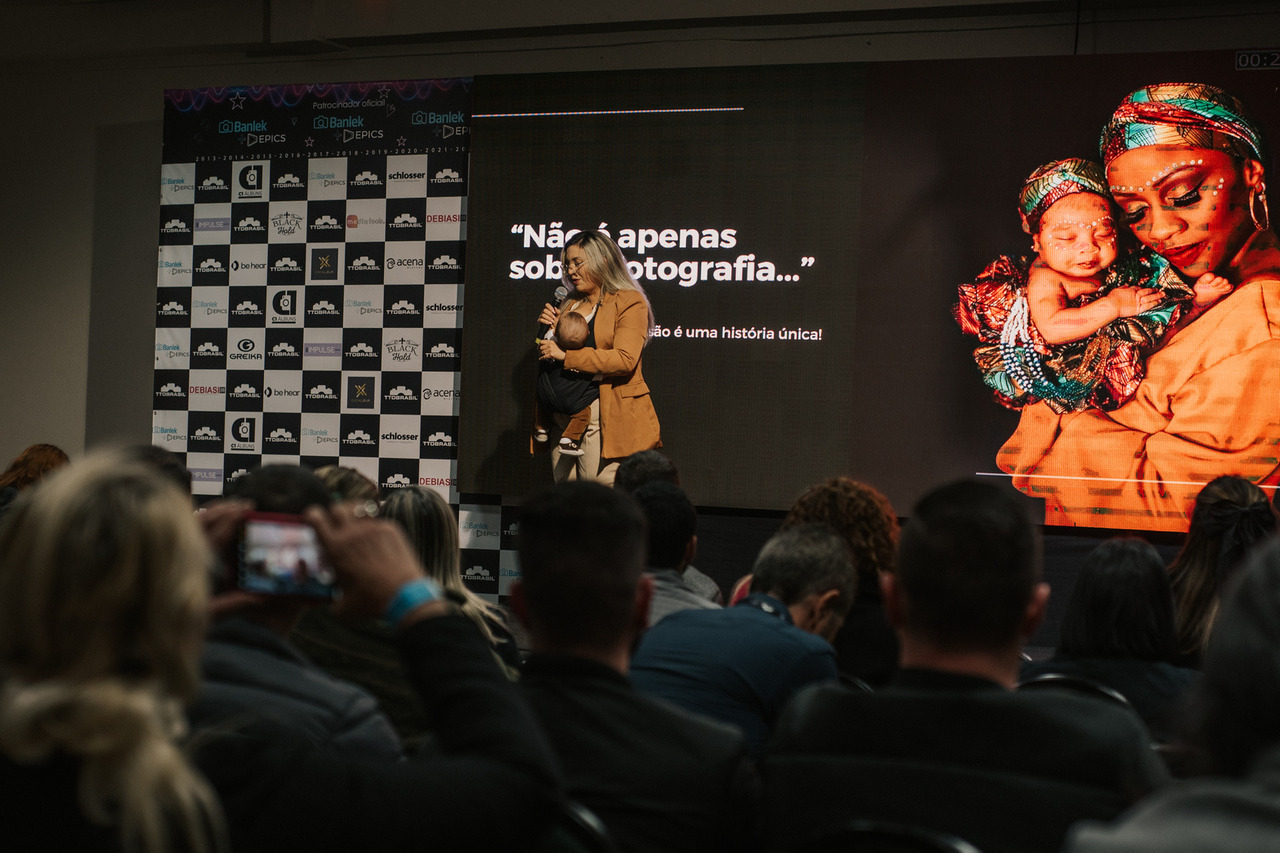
{"x":103,"y":597}
{"x":433,"y":532}
{"x":606,"y":265}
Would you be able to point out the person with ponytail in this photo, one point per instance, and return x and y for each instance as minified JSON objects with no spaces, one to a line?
{"x":1231,"y":515}
{"x":103,"y":598}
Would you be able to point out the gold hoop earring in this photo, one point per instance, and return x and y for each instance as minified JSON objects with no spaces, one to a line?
{"x":1260,"y":194}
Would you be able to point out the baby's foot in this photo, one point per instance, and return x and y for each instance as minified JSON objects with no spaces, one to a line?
{"x":1208,"y":289}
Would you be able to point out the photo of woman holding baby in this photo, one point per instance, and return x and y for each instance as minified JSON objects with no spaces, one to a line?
{"x":1186,"y":167}
{"x":618,"y":414}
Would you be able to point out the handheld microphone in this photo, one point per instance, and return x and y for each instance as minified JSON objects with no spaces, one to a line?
{"x":557,"y":299}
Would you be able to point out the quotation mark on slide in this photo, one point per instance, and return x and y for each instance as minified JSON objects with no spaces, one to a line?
{"x":807,"y":261}
{"x":517,"y":229}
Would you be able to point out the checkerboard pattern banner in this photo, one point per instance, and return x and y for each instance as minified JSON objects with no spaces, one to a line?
{"x":310,"y":278}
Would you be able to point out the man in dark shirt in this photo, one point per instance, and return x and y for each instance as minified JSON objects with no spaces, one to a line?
{"x":659,"y":778}
{"x":673,"y":542}
{"x":743,"y":663}
{"x":949,"y":745}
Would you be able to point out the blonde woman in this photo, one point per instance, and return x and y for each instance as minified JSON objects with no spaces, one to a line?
{"x":623,"y":420}
{"x":103,"y":597}
{"x":433,"y":532}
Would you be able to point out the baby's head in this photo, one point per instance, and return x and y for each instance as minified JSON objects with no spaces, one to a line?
{"x":571,"y":330}
{"x":1066,"y":209}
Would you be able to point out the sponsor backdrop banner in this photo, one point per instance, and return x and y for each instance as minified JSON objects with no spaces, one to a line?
{"x":309,"y":281}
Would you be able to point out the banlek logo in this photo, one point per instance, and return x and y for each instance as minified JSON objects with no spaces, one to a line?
{"x":228,"y":126}
{"x":327,"y":122}
{"x":422,"y":117}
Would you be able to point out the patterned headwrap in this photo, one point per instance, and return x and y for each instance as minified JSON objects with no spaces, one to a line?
{"x":1190,"y":115}
{"x":1054,"y":180}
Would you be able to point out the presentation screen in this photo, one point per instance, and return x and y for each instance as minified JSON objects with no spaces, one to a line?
{"x":804,"y":233}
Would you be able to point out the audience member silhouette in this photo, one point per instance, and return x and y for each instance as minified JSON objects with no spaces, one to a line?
{"x":673,"y":543}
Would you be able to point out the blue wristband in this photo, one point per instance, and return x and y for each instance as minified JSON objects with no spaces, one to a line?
{"x":410,"y":596}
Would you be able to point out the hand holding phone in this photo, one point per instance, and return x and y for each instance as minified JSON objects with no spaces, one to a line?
{"x":281,"y":555}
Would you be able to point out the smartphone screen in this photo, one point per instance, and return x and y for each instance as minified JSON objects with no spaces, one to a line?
{"x":280,"y":555}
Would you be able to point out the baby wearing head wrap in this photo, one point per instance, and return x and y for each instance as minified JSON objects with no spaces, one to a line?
{"x":1067,"y":325}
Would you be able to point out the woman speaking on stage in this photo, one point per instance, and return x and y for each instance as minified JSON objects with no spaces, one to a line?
{"x":619,"y":317}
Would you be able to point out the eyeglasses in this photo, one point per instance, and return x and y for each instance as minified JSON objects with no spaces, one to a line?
{"x":576,"y":264}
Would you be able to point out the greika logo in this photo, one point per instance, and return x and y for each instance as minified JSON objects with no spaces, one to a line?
{"x":366,"y":179}
{"x":392,"y":263}
{"x":447,"y":176}
{"x":326,"y":223}
{"x":285,"y":264}
{"x":287,"y":181}
{"x":397,"y":481}
{"x":286,"y":223}
{"x":402,"y":349}
{"x":361,"y":350}
{"x":236,"y":266}
{"x":172,"y":309}
{"x":246,"y":347}
{"x":444,"y":262}
{"x":404,"y":308}
{"x":364,"y":263}
{"x":170,"y":389}
{"x":360,"y":438}
{"x":250,"y":225}
{"x":321,"y":392}
{"x":405,"y":220}
{"x":245,"y":391}
{"x":175,"y":226}
{"x":209,"y":348}
{"x":438,"y":439}
{"x":441,"y":350}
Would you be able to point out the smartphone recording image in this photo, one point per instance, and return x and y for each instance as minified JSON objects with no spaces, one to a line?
{"x":280,"y":555}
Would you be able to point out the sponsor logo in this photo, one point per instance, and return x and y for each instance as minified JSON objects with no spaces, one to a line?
{"x":175,"y":226}
{"x":282,"y":435}
{"x":229,"y":126}
{"x":284,"y":348}
{"x":326,"y":223}
{"x":250,"y":179}
{"x":447,"y":176}
{"x":406,"y":176}
{"x":236,"y":266}
{"x":366,"y":179}
{"x":247,"y":308}
{"x":172,"y":309}
{"x":282,"y":392}
{"x":252,"y":139}
{"x":213,"y":182}
{"x":214,"y":223}
{"x":326,"y":179}
{"x":250,"y":225}
{"x":354,"y":221}
{"x":404,"y":308}
{"x":444,"y":262}
{"x":287,"y":181}
{"x":321,"y":392}
{"x":437,"y":481}
{"x":478,"y":573}
{"x":283,"y":302}
{"x":401,"y":394}
{"x":438,"y":439}
{"x":211,"y":265}
{"x":286,"y":223}
{"x":207,"y":389}
{"x":245,"y":391}
{"x":322,"y":350}
{"x":397,"y":481}
{"x":364,"y":263}
{"x":425,"y":117}
{"x":206,"y":433}
{"x":285,"y":265}
{"x":336,"y":122}
{"x":210,"y":308}
{"x":365,"y":306}
{"x":209,"y":348}
{"x":324,"y":308}
{"x":324,"y":264}
{"x":402,"y":349}
{"x":359,"y":437}
{"x":243,"y":430}
{"x":361,"y":350}
{"x":392,"y":263}
{"x":441,"y":350}
{"x":405,"y":220}
{"x":399,"y":436}
{"x":170,"y":389}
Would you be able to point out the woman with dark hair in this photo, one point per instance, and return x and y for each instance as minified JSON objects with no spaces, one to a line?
{"x":1186,"y":165}
{"x":1234,"y":723}
{"x":1118,"y":631}
{"x":1230,"y":516}
{"x":619,"y":317}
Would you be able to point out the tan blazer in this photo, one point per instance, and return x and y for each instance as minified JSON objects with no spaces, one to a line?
{"x":628,"y":422}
